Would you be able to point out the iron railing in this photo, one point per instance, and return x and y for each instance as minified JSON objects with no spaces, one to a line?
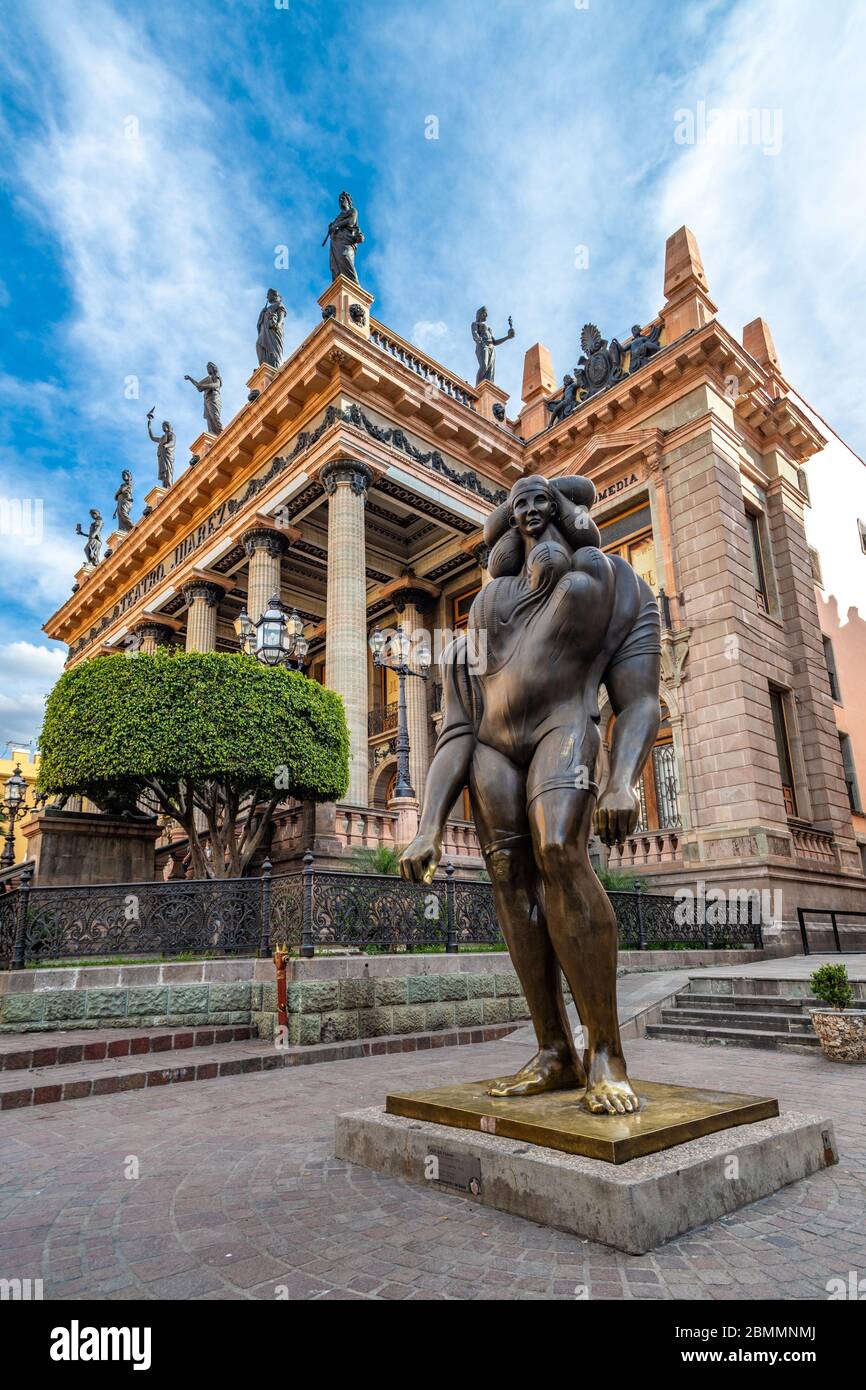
{"x":311,"y":910}
{"x":855,"y":944}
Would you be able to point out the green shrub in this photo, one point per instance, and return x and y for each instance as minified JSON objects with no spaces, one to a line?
{"x":209,"y":731}
{"x":383,"y":860}
{"x":831,"y":985}
{"x":614,"y":882}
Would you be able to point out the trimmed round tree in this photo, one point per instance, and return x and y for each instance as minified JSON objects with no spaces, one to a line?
{"x":208,"y":732}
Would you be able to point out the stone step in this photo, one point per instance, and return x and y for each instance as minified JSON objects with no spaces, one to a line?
{"x":732,"y":1037}
{"x":25,"y":1051}
{"x":784,"y":1003}
{"x":45,"y":1085}
{"x":747,"y":1019}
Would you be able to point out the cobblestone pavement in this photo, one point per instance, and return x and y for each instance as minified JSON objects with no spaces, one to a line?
{"x":239,"y":1195}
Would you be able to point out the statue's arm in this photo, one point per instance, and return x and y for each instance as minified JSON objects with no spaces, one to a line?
{"x":447,"y":775}
{"x":633,"y":690}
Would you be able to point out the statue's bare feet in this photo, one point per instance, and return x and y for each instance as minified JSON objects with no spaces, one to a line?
{"x":548,"y":1070}
{"x":609,"y":1097}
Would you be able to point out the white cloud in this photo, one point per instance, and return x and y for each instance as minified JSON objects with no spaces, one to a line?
{"x":781,"y":237}
{"x":154,"y":216}
{"x":27,"y":673}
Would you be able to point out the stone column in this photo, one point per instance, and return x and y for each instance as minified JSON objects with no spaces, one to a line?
{"x":408,"y":605}
{"x":203,"y":600}
{"x":264,"y":550}
{"x":153,"y":635}
{"x":346,"y":655}
{"x":482,"y":555}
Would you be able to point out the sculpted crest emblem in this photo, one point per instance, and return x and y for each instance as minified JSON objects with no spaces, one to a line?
{"x":601,"y":363}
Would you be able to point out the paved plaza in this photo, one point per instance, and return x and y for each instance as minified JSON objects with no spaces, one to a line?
{"x":239,"y":1195}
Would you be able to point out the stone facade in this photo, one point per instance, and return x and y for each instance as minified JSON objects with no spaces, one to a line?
{"x":356,"y":485}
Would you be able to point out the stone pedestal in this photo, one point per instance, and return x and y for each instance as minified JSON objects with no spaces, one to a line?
{"x":77,"y":847}
{"x":261,"y":380}
{"x":408,"y":811}
{"x":203,"y":444}
{"x":633,"y":1206}
{"x":489,"y":394}
{"x":154,"y":497}
{"x":346,"y":302}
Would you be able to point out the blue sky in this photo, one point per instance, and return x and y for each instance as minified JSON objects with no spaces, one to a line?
{"x":154,"y":156}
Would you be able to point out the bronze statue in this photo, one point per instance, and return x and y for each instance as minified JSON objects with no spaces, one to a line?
{"x":643,"y":346}
{"x":520,"y":728}
{"x":486,"y":345}
{"x":344,"y":235}
{"x":269,"y":343}
{"x":211,"y":388}
{"x":165,"y":447}
{"x":566,"y":404}
{"x":93,"y":537}
{"x":123,"y":502}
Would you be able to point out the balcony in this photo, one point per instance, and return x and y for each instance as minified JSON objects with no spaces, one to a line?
{"x":382,"y":720}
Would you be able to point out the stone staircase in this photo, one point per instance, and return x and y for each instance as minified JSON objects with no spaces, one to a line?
{"x":736,"y":1011}
{"x":42,"y":1069}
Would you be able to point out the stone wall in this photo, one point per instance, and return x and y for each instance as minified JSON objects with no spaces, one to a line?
{"x":338,"y":1010}
{"x":329,"y":998}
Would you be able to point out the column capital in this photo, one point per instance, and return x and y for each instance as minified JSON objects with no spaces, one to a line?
{"x":346,"y":470}
{"x":159,"y":633}
{"x":264,"y":538}
{"x":202,"y":589}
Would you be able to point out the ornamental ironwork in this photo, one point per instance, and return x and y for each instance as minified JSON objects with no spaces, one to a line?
{"x":311,"y":910}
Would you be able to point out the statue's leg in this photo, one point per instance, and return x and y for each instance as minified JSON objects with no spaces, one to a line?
{"x":498,"y":791}
{"x":580,"y":918}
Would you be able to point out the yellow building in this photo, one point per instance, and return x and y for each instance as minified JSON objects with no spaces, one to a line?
{"x":16,"y":756}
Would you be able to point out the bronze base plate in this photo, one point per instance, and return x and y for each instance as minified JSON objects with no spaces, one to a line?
{"x":669,"y":1115}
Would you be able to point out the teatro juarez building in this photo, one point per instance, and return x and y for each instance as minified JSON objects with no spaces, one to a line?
{"x":354,"y":484}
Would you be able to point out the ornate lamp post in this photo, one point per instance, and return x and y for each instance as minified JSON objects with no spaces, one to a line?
{"x":275,"y":639}
{"x":14,"y":804}
{"x":399,"y":648}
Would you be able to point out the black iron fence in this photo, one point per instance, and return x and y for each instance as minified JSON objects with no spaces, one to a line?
{"x":311,"y":910}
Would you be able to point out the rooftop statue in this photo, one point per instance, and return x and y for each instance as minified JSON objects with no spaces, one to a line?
{"x":269,"y":343}
{"x":344,"y":235}
{"x":93,"y":536}
{"x":520,"y":729}
{"x":566,"y":404}
{"x":123,"y":502}
{"x":486,"y":345}
{"x":211,"y":388}
{"x":165,"y":446}
{"x":643,"y":346}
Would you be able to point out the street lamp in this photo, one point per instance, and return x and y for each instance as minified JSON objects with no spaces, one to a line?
{"x":400,"y":647}
{"x":275,"y":640}
{"x":14,"y":804}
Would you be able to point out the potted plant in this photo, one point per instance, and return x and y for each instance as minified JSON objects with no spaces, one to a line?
{"x":841,"y":1029}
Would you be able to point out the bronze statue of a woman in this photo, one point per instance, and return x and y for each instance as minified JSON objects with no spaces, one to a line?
{"x":123,"y":502}
{"x":93,"y":537}
{"x":211,"y":388}
{"x":559,"y":617}
{"x":344,"y":235}
{"x":269,"y":342}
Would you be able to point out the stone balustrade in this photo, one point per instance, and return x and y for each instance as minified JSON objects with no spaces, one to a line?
{"x":645,"y":849}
